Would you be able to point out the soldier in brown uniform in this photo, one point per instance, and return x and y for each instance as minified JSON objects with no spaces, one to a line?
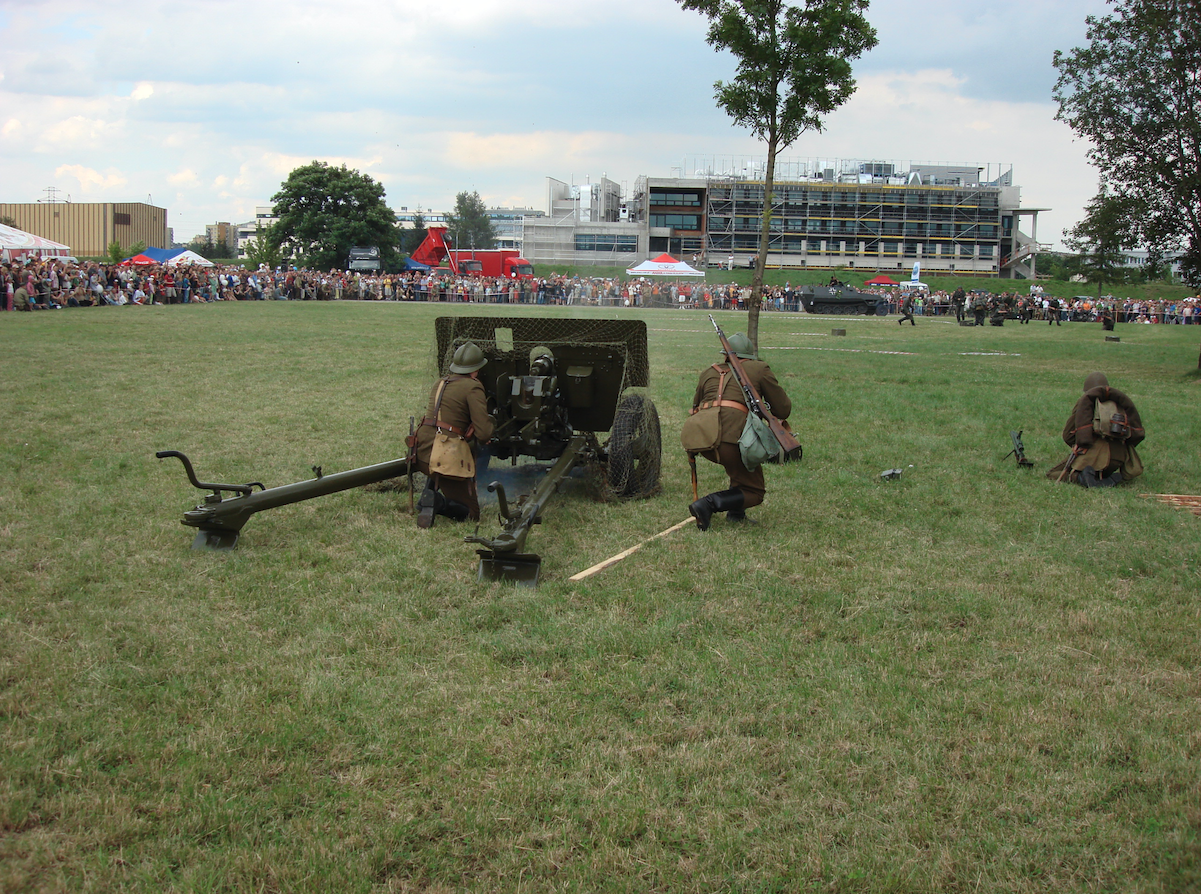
{"x":458,"y":406}
{"x":715,"y":425}
{"x":1099,"y":459}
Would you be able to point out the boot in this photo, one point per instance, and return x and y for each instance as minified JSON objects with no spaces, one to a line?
{"x":737,"y":514}
{"x":1113,"y":480}
{"x":428,"y":506}
{"x":721,"y":501}
{"x":454,"y":510}
{"x":1087,"y":477}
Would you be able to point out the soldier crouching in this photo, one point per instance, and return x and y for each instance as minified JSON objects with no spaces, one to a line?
{"x":1103,"y":429}
{"x":712,"y":430}
{"x":456,"y":421}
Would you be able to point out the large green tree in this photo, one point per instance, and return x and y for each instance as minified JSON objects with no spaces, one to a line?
{"x":1134,"y":91}
{"x":1101,"y":239}
{"x":794,"y":66}
{"x":323,"y":211}
{"x":468,"y":224}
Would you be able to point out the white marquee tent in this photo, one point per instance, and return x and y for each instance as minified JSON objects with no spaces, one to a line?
{"x":664,"y":265}
{"x":188,"y":257}
{"x":16,"y":243}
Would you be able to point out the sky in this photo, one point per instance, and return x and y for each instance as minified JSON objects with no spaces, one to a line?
{"x":204,"y":106}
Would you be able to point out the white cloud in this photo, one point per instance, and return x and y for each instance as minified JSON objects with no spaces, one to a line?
{"x":493,"y":95}
{"x":92,"y":182}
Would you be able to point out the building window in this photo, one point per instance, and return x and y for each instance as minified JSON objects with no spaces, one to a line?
{"x":121,"y":219}
{"x":605,"y":242}
{"x":679,"y":221}
{"x":683,"y":199}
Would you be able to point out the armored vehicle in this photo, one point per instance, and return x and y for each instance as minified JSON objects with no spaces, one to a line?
{"x":842,"y":300}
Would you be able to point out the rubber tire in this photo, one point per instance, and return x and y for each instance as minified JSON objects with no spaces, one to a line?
{"x":635,"y":447}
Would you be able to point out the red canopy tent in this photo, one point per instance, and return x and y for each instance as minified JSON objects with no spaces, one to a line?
{"x":139,"y":261}
{"x":881,"y":280}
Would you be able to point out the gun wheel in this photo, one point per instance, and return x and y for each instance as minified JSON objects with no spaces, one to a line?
{"x":635,"y":449}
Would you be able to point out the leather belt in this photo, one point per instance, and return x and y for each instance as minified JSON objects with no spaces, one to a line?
{"x":729,"y":404}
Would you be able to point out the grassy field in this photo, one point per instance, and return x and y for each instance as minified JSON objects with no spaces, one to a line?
{"x":968,"y":679}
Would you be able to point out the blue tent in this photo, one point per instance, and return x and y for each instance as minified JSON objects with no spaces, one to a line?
{"x":410,"y":264}
{"x":162,"y":255}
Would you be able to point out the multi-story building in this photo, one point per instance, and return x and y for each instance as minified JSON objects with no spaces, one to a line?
{"x":587,"y":224}
{"x":222,"y":233}
{"x":264,"y":216}
{"x":91,"y":227}
{"x":826,"y":214}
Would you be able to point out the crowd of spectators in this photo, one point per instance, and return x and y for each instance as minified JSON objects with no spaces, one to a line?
{"x":54,"y":283}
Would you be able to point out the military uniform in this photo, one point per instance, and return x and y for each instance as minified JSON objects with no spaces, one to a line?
{"x":1101,"y":461}
{"x":906,"y":311}
{"x":464,"y":414}
{"x":715,"y":425}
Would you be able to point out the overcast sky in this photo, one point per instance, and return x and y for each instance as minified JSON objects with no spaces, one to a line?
{"x":204,"y":106}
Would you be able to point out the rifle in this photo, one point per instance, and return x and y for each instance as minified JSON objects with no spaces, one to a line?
{"x":1018,"y":451}
{"x":790,"y":447}
{"x":1067,"y":463}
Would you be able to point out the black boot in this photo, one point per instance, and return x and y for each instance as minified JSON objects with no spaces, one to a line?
{"x":1087,"y":477}
{"x":454,"y":510}
{"x":1112,"y":480}
{"x":429,"y":505}
{"x":737,"y":514}
{"x":721,"y":501}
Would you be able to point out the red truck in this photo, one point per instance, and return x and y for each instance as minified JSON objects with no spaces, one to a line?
{"x":506,"y":262}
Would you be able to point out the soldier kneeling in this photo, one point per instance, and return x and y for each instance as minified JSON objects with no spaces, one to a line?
{"x":715,"y":425}
{"x":1103,"y":430}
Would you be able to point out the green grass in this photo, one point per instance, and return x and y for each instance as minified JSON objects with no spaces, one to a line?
{"x":967,"y":679}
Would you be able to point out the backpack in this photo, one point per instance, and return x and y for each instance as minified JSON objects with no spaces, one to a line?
{"x":1109,"y":421}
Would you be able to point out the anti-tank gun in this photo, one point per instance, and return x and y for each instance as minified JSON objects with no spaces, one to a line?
{"x":553,"y":386}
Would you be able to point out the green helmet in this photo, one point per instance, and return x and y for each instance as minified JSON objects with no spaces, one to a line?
{"x":468,"y":358}
{"x":742,"y":347}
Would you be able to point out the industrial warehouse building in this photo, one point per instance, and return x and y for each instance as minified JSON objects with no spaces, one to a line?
{"x":90,"y":227}
{"x":864,"y":215}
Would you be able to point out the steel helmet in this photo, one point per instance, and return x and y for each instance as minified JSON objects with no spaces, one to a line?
{"x":468,"y":358}
{"x":742,"y":347}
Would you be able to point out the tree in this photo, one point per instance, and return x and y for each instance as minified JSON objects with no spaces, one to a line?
{"x":322,"y":211}
{"x":263,"y":250}
{"x":1135,"y":92}
{"x":794,"y":66}
{"x":1101,"y":238}
{"x":115,"y":254}
{"x":468,"y":224}
{"x":8,"y":221}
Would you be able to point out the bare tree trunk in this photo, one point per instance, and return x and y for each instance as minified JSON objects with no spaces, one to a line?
{"x":756,"y":302}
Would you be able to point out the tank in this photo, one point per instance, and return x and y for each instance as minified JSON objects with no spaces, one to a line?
{"x":842,"y":300}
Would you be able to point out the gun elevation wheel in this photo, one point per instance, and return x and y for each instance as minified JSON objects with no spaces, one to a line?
{"x":635,"y":448}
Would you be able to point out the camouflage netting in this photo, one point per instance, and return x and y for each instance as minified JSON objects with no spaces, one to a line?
{"x":600,"y":364}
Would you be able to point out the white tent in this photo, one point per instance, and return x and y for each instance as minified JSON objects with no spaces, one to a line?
{"x":16,"y":243}
{"x":188,"y":257}
{"x":664,"y":265}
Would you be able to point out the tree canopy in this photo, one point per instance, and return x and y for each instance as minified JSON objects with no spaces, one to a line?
{"x":794,"y":67}
{"x":323,"y":211}
{"x":1134,"y":91}
{"x":468,"y":224}
{"x":1100,"y":240}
